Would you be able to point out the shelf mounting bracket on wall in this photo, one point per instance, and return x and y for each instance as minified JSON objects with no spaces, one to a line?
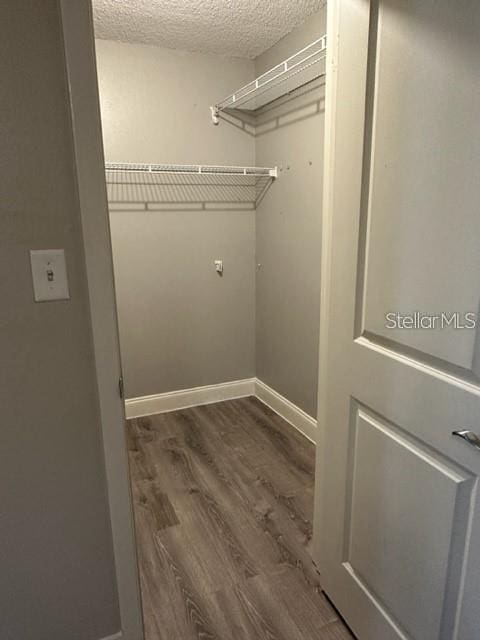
{"x":214,"y":112}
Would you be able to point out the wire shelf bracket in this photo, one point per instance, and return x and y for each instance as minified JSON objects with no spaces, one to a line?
{"x":154,"y":187}
{"x":302,"y":67}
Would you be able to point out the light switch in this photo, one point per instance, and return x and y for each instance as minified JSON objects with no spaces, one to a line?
{"x":49,"y":273}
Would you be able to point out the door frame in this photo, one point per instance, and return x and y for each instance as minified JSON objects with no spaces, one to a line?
{"x":89,"y":163}
{"x":81,"y":72}
{"x":331,"y":70}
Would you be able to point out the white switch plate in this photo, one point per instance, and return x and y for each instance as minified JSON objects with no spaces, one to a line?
{"x":49,"y":274}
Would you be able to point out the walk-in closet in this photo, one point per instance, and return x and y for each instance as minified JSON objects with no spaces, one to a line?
{"x":239,"y":320}
{"x":214,"y":152}
{"x":215,"y":209}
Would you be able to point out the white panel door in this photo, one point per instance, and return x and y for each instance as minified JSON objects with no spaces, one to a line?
{"x":397,"y":530}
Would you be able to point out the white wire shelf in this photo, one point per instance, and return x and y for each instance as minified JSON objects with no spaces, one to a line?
{"x":304,"y":66}
{"x":154,"y":187}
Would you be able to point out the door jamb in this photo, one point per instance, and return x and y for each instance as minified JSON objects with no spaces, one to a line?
{"x":331,"y":68}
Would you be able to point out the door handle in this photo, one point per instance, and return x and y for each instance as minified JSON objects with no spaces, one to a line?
{"x":469,"y":437}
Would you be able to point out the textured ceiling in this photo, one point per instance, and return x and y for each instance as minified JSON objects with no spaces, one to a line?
{"x":243,"y":28}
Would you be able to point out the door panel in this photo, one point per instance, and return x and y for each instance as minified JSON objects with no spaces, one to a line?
{"x":402,"y":521}
{"x":397,"y":531}
{"x":425,"y":139}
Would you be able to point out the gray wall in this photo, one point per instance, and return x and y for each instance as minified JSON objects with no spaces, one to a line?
{"x":288,"y":233}
{"x":181,"y":325}
{"x":57,"y":574}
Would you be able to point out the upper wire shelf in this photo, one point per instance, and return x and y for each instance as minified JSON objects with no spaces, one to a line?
{"x":295,"y":71}
{"x":154,"y":187}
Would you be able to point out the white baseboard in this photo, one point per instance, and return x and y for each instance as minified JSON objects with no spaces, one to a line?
{"x":115,"y":636}
{"x":174,"y":400}
{"x":287,"y":410}
{"x":163,"y":402}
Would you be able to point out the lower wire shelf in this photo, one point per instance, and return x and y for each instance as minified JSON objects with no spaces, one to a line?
{"x":163,"y":187}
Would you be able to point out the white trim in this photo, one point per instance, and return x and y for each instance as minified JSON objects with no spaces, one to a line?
{"x":80,"y":68}
{"x":184,"y":398}
{"x":115,"y":636}
{"x":331,"y":69}
{"x":287,"y":410}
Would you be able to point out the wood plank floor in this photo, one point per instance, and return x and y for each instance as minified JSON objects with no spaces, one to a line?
{"x":223,"y":499}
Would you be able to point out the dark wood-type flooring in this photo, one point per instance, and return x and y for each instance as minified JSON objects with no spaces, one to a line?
{"x":223,"y":499}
